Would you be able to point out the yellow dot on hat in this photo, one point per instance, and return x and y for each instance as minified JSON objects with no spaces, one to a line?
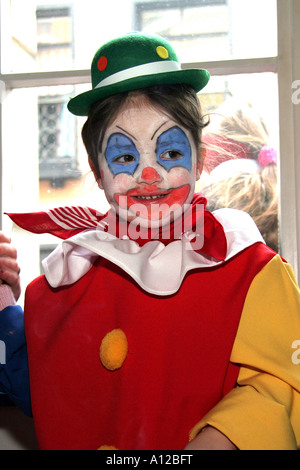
{"x":102,"y":63}
{"x":113,"y":349}
{"x":162,"y":52}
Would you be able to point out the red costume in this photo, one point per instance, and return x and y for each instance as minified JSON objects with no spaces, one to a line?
{"x":176,"y":370}
{"x":179,"y":343}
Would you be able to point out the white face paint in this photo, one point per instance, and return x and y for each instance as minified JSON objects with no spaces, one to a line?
{"x":148,"y":165}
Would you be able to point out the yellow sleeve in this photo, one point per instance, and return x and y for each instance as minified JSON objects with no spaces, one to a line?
{"x":263,"y":411}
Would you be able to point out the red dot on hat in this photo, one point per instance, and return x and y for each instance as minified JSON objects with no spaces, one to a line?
{"x":102,"y":63}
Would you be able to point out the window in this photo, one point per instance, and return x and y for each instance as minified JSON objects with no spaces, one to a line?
{"x":46,"y":51}
{"x":190,"y":25}
{"x":57,"y":138}
{"x":54,"y":37}
{"x":57,"y":141}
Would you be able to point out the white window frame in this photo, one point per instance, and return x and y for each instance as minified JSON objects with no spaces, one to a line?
{"x":287,"y":66}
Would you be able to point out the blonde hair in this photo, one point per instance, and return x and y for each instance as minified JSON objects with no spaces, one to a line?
{"x":254,"y":193}
{"x":236,"y":130}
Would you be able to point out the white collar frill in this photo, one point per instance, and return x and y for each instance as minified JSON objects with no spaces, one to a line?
{"x":157,"y":268}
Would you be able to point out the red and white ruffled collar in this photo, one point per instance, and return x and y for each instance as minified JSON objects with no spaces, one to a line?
{"x":158,"y":264}
{"x":157,"y":268}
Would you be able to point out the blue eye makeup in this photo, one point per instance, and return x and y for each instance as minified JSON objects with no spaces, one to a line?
{"x":121,"y":154}
{"x":173,"y":149}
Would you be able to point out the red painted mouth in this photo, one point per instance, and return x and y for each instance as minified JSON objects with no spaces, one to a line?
{"x":152,"y":198}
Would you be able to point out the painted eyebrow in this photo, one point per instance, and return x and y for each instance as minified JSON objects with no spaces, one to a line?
{"x":158,"y":129}
{"x":124,"y":130}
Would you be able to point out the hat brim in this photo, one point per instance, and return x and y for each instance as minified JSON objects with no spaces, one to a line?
{"x":196,"y":78}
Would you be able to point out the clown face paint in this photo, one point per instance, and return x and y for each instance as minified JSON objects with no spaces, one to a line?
{"x":148,"y":165}
{"x":173,"y":149}
{"x":121,"y":154}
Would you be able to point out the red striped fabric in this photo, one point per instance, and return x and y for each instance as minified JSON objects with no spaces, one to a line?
{"x":65,"y":222}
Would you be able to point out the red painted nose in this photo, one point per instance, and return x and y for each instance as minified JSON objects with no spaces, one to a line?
{"x":149,"y":175}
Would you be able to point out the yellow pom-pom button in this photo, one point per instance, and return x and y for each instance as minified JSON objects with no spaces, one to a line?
{"x":162,"y":52}
{"x":114,"y":349}
{"x":105,"y":447}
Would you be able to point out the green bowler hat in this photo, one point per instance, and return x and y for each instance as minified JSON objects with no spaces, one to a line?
{"x":131,"y":62}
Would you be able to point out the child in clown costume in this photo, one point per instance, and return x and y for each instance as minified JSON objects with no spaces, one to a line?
{"x":158,"y":325}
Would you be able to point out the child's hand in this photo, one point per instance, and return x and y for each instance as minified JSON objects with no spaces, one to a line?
{"x":9,"y":268}
{"x":210,"y":439}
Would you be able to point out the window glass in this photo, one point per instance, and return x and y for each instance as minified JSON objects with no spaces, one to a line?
{"x":57,"y":140}
{"x":48,"y":151}
{"x":47,"y":35}
{"x":192,"y":27}
{"x":54,"y":37}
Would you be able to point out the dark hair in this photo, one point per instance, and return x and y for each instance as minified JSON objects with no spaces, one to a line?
{"x":178,"y":101}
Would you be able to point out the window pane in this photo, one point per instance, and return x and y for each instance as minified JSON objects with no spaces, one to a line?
{"x":47,"y":35}
{"x":48,"y":150}
{"x":54,"y":38}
